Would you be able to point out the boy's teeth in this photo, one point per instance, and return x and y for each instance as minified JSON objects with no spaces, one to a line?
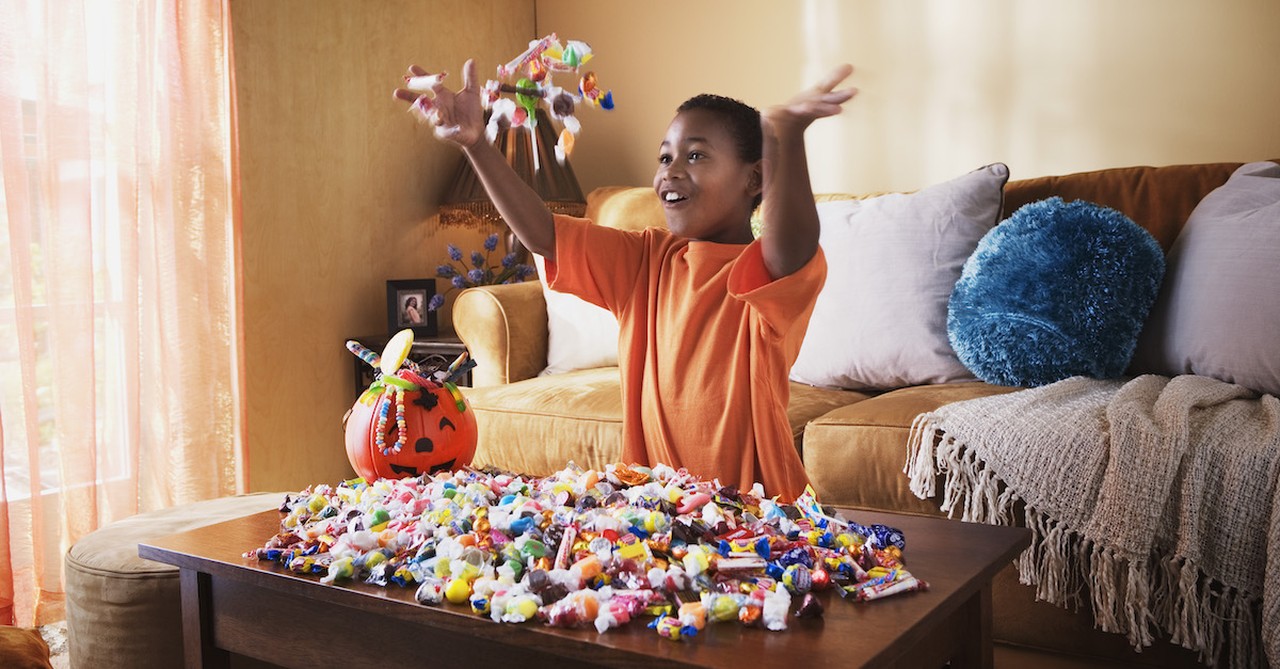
{"x":672,"y":197}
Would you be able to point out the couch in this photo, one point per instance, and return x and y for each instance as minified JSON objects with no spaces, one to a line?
{"x":853,"y":443}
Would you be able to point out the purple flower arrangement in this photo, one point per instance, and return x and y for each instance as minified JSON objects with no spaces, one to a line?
{"x":479,"y":272}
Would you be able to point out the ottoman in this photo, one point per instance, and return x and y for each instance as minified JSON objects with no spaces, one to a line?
{"x":123,"y":611}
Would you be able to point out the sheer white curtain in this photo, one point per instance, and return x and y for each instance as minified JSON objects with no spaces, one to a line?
{"x":119,"y":386}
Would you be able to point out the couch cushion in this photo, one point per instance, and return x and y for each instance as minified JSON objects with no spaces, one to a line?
{"x":810,"y":402}
{"x":626,"y":207}
{"x":855,"y":454}
{"x":881,"y":319}
{"x":536,"y":426}
{"x":1217,"y":312}
{"x":1156,"y":198}
{"x":580,"y":335}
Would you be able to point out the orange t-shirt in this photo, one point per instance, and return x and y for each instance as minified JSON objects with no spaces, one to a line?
{"x":707,"y":341}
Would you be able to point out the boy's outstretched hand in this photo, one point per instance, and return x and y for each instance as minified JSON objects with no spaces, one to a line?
{"x":791,"y":227}
{"x":457,"y":117}
{"x":819,"y":101}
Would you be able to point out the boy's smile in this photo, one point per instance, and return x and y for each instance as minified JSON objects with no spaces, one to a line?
{"x":706,"y":188}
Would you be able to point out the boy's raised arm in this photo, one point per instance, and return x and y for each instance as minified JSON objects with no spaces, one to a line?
{"x":459,"y":118}
{"x":790,"y":235}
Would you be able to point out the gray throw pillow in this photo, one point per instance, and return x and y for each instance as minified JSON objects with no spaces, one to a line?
{"x":880,"y":321}
{"x":1218,"y":313}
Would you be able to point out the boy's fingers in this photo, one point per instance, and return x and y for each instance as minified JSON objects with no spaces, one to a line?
{"x":406,"y":95}
{"x":842,"y":95}
{"x":817,"y":109}
{"x":828,"y":109}
{"x":469,"y":75}
{"x":833,"y":79}
{"x":423,"y":109}
{"x":415,"y":71}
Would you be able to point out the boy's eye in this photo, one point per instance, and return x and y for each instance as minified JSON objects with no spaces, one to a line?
{"x":696,"y":155}
{"x":664,"y":159}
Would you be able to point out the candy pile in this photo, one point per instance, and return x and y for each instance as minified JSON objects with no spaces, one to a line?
{"x":584,"y":547}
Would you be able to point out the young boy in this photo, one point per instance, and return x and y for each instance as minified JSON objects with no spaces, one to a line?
{"x":711,"y":321}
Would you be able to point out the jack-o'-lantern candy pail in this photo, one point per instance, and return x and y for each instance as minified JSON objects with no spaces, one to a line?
{"x":405,"y":432}
{"x":407,"y":424}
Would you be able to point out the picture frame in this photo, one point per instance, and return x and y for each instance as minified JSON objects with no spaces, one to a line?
{"x":407,"y":301}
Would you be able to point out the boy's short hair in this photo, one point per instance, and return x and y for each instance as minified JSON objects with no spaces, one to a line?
{"x":743,"y":121}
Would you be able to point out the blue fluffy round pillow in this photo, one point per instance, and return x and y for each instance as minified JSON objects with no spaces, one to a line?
{"x":1059,"y":289}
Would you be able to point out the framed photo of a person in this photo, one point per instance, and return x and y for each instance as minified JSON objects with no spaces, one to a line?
{"x":407,"y":306}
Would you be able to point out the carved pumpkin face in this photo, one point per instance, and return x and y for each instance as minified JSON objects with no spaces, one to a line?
{"x":438,"y":435}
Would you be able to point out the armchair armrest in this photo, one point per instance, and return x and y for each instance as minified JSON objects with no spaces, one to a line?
{"x":504,"y":329}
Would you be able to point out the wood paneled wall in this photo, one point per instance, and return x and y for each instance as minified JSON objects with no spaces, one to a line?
{"x":339,"y":185}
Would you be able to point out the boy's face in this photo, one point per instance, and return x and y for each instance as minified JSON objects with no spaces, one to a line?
{"x":705,"y":187}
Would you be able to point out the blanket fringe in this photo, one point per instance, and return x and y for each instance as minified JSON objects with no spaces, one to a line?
{"x":1134,"y":596}
{"x":920,"y":468}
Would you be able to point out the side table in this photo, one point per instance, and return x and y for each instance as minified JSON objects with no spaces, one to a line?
{"x":432,"y":352}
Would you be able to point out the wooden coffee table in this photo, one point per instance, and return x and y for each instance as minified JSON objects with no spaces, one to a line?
{"x":237,"y":606}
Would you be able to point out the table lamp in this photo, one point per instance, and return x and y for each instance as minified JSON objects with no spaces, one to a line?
{"x":465,"y":203}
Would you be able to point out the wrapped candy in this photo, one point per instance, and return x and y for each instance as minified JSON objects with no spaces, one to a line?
{"x":578,"y":608}
{"x":753,"y":608}
{"x":430,"y":592}
{"x":693,"y":502}
{"x":520,"y":608}
{"x":540,"y":61}
{"x":721,"y":607}
{"x":754,"y":545}
{"x":693,"y":614}
{"x":514,"y":548}
{"x":669,"y":627}
{"x":820,"y":578}
{"x":590,"y":91}
{"x":907,"y":584}
{"x":614,"y":613}
{"x":457,"y":590}
{"x":776,"y":605}
{"x":810,"y":607}
{"x":340,"y":569}
{"x":422,"y":83}
{"x":797,"y":579}
{"x":696,"y":560}
{"x":587,"y":568}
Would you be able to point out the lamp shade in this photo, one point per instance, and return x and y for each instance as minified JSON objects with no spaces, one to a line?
{"x":465,"y":202}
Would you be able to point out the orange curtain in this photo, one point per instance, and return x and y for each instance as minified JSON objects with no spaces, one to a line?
{"x":119,"y":333}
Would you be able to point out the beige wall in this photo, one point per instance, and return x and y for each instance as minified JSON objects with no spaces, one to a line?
{"x":338,"y":185}
{"x":946,"y":86}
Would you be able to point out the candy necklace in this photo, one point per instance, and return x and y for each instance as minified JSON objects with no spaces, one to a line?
{"x":393,"y":394}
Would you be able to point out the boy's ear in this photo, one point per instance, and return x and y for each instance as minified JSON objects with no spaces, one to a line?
{"x":755,"y":182}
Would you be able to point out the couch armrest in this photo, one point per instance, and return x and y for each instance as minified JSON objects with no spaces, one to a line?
{"x":504,"y":329}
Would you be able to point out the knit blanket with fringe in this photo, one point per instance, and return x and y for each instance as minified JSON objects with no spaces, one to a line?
{"x":1151,"y":499}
